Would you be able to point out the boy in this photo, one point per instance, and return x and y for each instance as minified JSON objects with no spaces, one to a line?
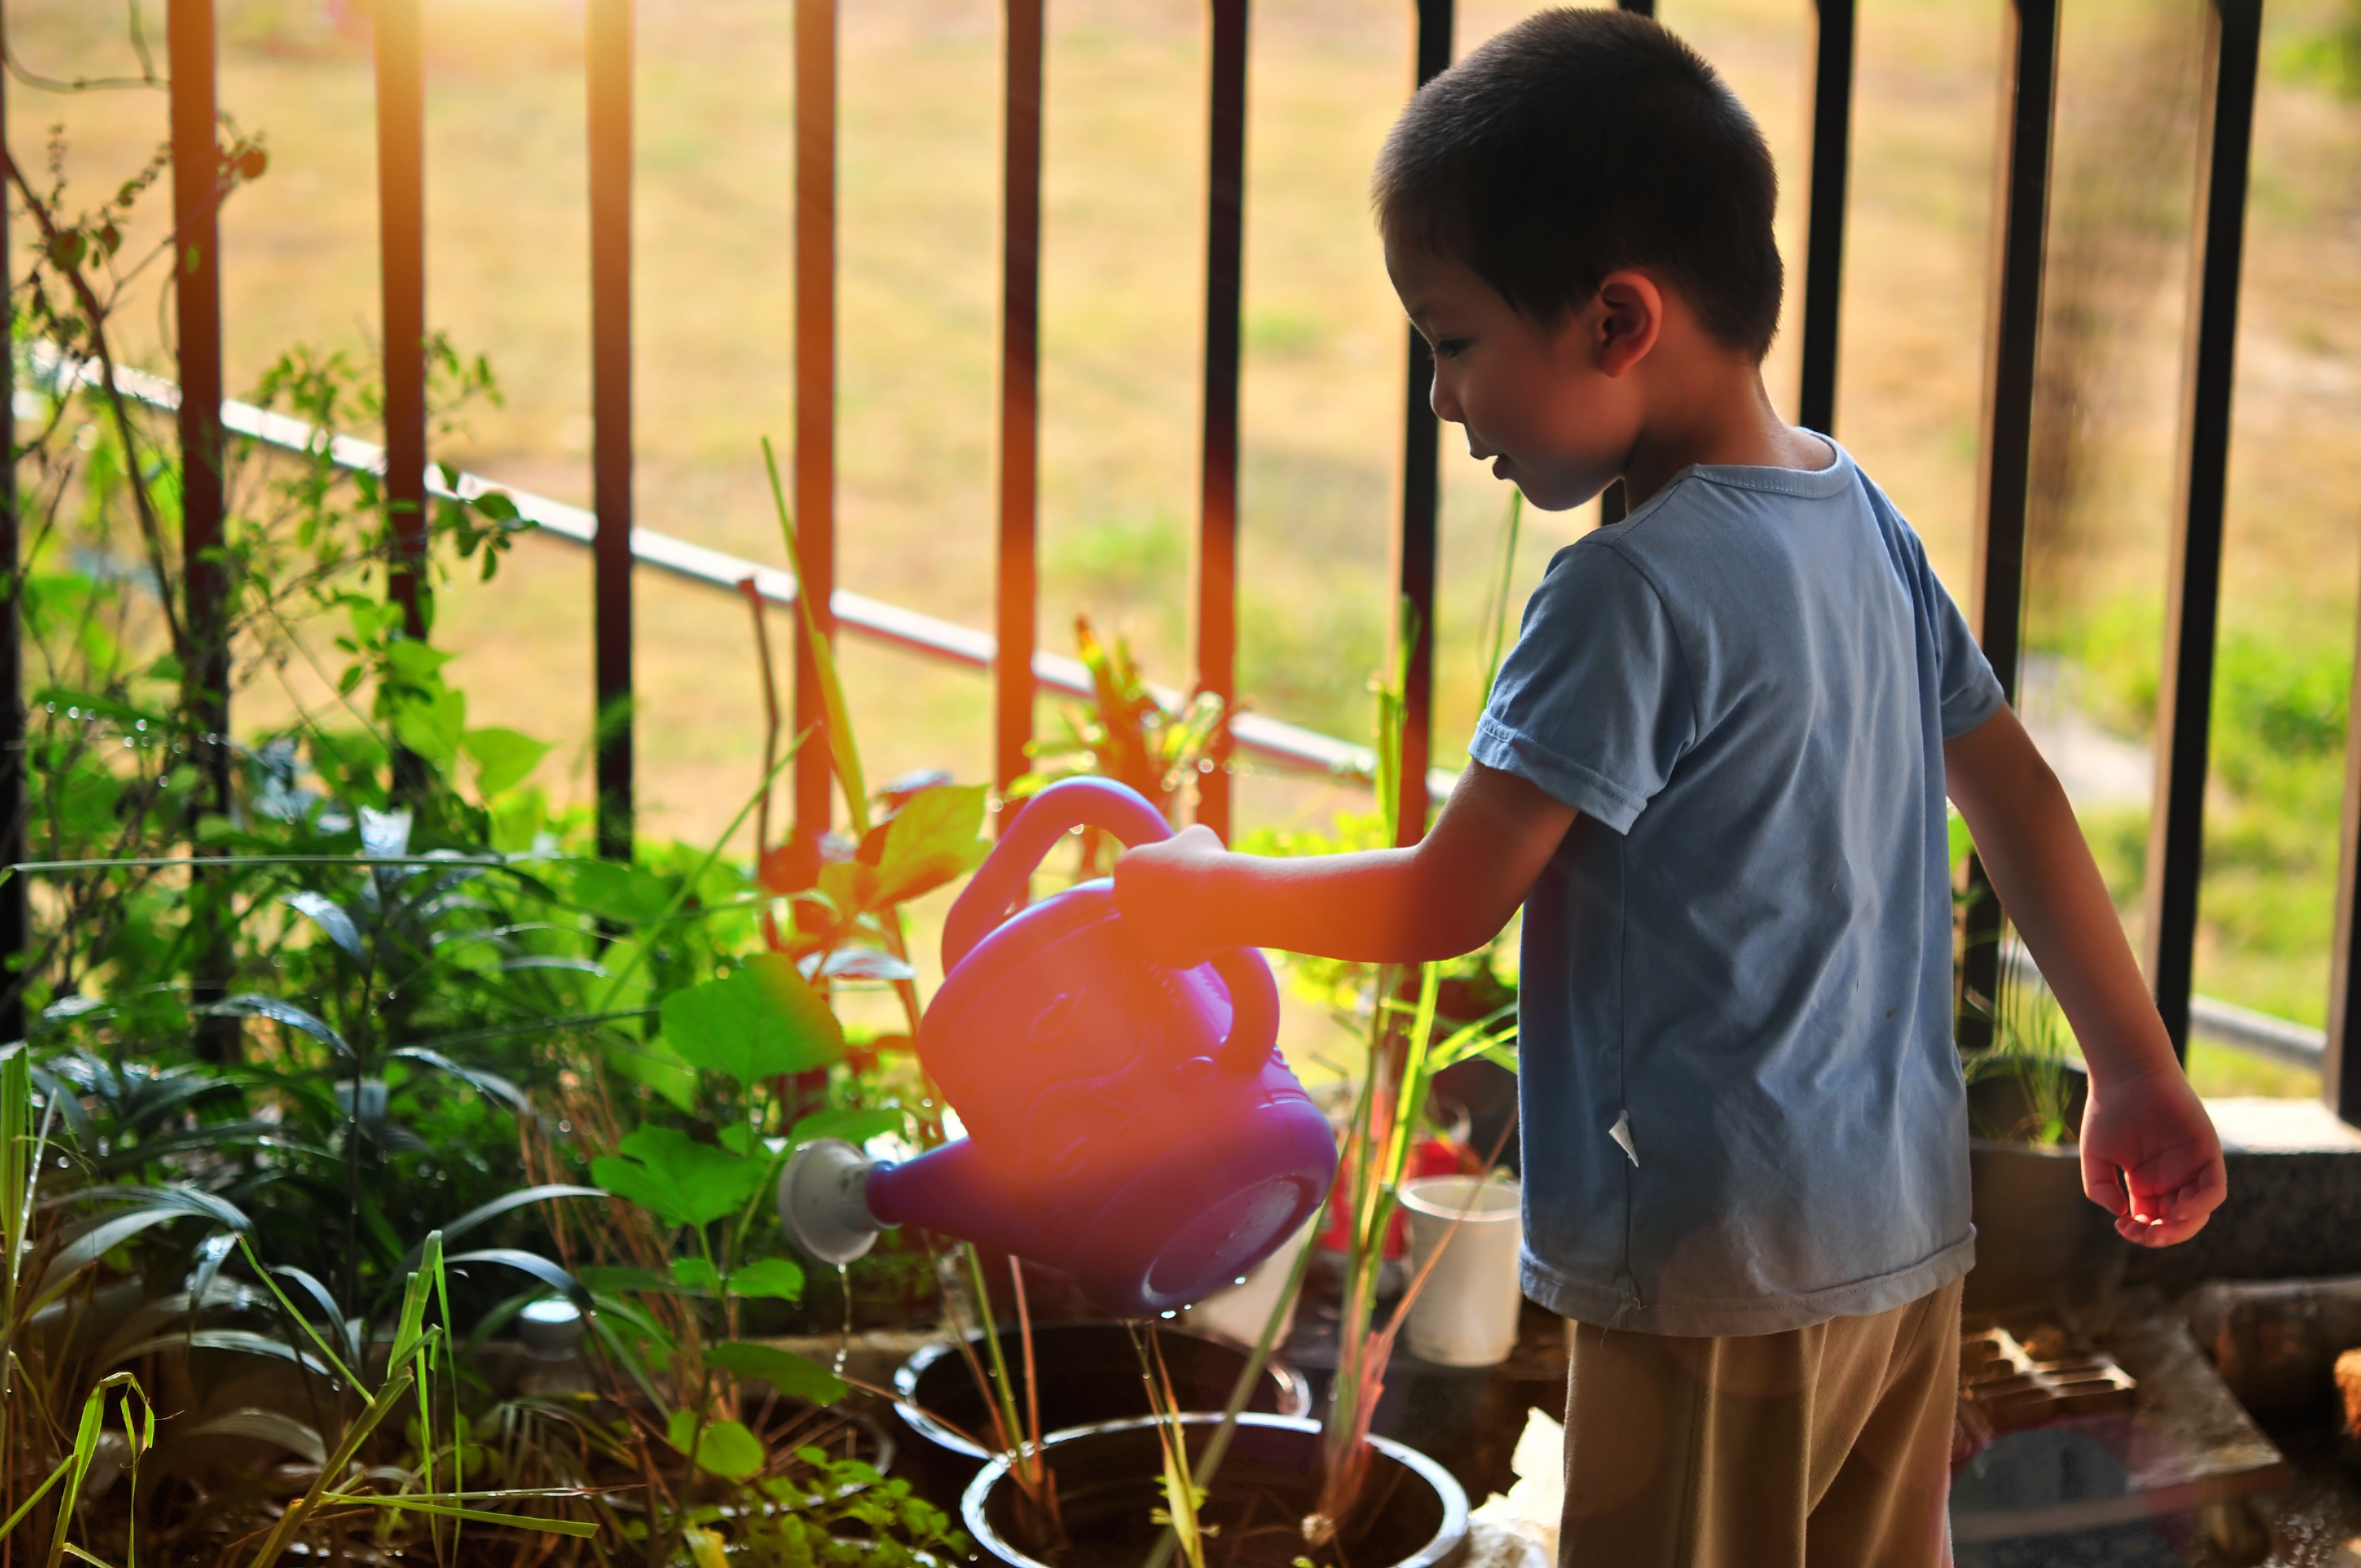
{"x":1713,"y":773}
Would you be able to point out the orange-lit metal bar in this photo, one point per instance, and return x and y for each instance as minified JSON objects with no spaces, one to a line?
{"x":1218,"y":507}
{"x":196,"y":284}
{"x":2028,"y":114}
{"x":1417,"y":551}
{"x":14,"y":932}
{"x":401,"y":262}
{"x":1015,"y":616}
{"x":2176,"y":849}
{"x":610,"y":23}
{"x":1816,"y":406}
{"x":815,"y":453}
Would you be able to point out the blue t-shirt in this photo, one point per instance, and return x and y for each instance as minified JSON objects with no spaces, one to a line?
{"x":1742,"y":1103}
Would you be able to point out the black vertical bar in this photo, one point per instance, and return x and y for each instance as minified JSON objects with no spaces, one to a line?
{"x":2341,"y":1068}
{"x":401,"y":248}
{"x":610,"y":405}
{"x":1016,"y":604}
{"x":1217,"y":514}
{"x":2176,"y":843}
{"x":196,"y":234}
{"x":1417,"y":551}
{"x":2028,"y":114}
{"x":1815,"y":404}
{"x":14,"y":939}
{"x":815,"y":454}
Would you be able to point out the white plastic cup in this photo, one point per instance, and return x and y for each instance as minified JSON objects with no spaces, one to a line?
{"x":1239,"y":1311}
{"x":1466,"y":1314}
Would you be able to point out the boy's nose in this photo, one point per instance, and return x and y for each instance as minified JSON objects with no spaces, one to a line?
{"x":1444,"y":403}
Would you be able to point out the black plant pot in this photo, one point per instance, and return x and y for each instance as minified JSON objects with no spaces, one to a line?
{"x":1413,"y":1515}
{"x":1090,"y":1375}
{"x":2042,"y":1247}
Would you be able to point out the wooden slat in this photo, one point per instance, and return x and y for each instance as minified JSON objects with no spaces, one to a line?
{"x":2029,"y":114}
{"x":814,"y":450}
{"x":401,"y":265}
{"x":1417,"y":547}
{"x":1217,"y":510}
{"x":2176,"y":851}
{"x":1017,"y":618}
{"x":1832,"y":56}
{"x":610,"y":404}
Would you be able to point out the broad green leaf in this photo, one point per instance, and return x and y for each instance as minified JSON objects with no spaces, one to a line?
{"x":761,"y":1021}
{"x":853,"y":1126}
{"x":936,"y":837}
{"x":330,"y":917}
{"x":777,"y":1278}
{"x":695,"y":1274}
{"x":419,"y":663}
{"x":433,"y":725}
{"x":625,"y":894}
{"x":851,"y":885}
{"x":725,"y":1448}
{"x":790,"y":1375}
{"x":684,"y":1182}
{"x":658,"y":1065}
{"x":503,"y":758}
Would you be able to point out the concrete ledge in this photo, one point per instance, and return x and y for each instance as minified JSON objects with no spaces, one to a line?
{"x":2294,"y":1208}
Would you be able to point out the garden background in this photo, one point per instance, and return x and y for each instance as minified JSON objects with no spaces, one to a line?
{"x":1122,"y":293}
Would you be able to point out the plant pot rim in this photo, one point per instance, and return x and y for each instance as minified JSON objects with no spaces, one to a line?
{"x":2065,"y":1149}
{"x":1449,"y":1537}
{"x":1294,"y":1389}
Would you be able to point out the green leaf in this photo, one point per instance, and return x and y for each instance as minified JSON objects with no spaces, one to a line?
{"x":682,"y":1181}
{"x":725,"y":1448}
{"x":774,"y":1278}
{"x":625,"y":894}
{"x":936,"y":837}
{"x":432,"y":726}
{"x":853,"y":1126}
{"x":695,"y":1274}
{"x":495,"y":505}
{"x":503,"y":758}
{"x":790,"y":1375}
{"x":417,"y":664}
{"x":761,"y":1021}
{"x":659,"y":1067}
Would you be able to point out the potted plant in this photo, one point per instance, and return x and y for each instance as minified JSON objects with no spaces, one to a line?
{"x":2042,"y":1247}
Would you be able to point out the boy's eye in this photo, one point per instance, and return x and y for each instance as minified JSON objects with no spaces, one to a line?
{"x":1449,"y":347}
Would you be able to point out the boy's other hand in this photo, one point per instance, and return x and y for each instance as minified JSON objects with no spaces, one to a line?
{"x":1160,"y":891}
{"x":2150,"y":1157}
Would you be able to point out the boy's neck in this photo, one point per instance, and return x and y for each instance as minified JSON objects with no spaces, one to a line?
{"x":1709,"y":407}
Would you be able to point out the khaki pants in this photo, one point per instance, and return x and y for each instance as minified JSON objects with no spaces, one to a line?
{"x":1822,"y":1447}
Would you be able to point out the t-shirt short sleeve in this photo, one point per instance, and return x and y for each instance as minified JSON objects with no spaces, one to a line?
{"x":1593,"y":705}
{"x":1966,"y":690}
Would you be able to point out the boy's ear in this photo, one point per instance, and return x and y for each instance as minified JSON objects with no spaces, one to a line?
{"x":1628,"y":318}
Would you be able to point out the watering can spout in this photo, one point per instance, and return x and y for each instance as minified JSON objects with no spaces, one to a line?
{"x":834,"y":1201}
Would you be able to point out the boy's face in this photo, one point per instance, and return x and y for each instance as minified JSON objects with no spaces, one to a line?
{"x":1548,"y":405}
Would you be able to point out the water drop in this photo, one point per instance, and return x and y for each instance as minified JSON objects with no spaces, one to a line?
{"x":844,"y":1345}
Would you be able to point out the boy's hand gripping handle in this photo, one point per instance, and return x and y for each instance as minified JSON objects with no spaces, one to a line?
{"x":1119,"y":809}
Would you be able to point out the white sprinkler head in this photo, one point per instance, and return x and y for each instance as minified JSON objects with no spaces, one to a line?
{"x":821,"y":1204}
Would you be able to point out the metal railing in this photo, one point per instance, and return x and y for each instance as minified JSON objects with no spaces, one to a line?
{"x":2030,"y":66}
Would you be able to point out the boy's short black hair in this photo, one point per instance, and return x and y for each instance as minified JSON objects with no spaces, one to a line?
{"x":1579,"y":142}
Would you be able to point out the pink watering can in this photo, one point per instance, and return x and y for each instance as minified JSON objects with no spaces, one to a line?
{"x":1129,"y":1122}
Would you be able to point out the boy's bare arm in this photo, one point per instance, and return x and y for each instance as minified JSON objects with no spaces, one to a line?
{"x":1189,"y":898}
{"x":2151,"y":1155}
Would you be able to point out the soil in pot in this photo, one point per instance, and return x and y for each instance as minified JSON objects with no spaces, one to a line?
{"x":1412,"y":1515}
{"x":1088,"y":1374}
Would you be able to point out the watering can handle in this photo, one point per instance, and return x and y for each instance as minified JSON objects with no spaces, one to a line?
{"x":1119,"y":809}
